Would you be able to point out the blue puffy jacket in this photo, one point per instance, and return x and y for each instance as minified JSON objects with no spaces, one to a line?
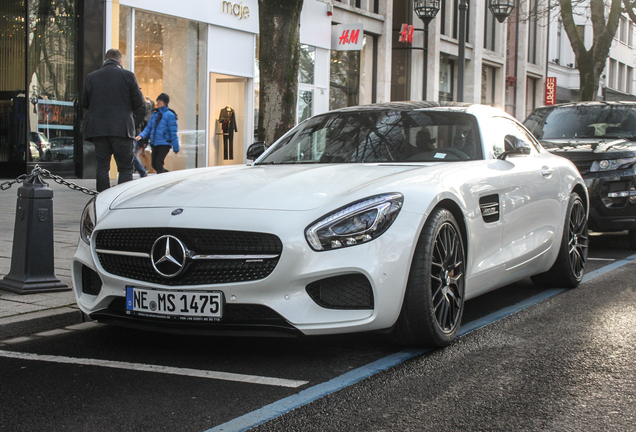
{"x":162,"y":128}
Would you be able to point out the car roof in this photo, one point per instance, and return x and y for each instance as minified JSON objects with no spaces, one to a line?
{"x":591,"y":104}
{"x":466,"y":107}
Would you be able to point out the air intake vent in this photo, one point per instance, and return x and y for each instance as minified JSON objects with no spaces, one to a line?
{"x":91,"y":283}
{"x":352,"y":291}
{"x":489,"y":206}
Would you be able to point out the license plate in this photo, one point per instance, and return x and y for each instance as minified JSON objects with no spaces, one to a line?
{"x":179,"y":305}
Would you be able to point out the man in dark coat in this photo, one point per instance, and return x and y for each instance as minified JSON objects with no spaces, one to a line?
{"x":111,"y":94}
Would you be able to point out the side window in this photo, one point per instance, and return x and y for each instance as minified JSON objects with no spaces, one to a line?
{"x":535,"y":121}
{"x":528,"y":138}
{"x":503,"y":132}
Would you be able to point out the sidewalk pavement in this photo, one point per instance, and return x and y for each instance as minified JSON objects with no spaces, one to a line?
{"x":23,"y":314}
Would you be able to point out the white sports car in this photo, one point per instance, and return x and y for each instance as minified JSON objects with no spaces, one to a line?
{"x":385,"y":217}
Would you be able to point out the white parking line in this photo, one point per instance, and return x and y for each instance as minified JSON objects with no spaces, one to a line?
{"x":226,"y":376}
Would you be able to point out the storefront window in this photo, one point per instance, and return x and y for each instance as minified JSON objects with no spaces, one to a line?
{"x":170,"y":57}
{"x":307,"y":64}
{"x":344,"y":86}
{"x":446,"y":72}
{"x":488,"y":83}
{"x":13,"y":105}
{"x":125,"y":36}
{"x":53,"y":87}
{"x":305,"y":104}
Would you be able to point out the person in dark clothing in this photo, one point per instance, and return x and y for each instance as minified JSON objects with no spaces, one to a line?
{"x":142,"y":116}
{"x":110,"y":95}
{"x":162,"y":133}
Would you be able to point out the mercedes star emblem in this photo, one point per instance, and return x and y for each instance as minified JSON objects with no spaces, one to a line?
{"x":168,"y":256}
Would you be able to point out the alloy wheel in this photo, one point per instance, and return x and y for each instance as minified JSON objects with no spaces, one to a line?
{"x":578,"y":239}
{"x":447,"y":278}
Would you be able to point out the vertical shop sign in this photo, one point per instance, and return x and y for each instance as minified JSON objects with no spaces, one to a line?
{"x":347,"y":37}
{"x":406,"y":33}
{"x":550,"y":90}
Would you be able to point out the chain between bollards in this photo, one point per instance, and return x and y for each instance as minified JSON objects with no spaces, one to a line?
{"x":7,"y":185}
{"x":38,"y":171}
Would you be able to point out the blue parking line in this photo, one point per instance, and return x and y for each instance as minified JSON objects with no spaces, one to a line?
{"x":608,"y":268}
{"x":306,"y":396}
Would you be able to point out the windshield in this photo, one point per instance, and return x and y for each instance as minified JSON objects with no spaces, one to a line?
{"x":584,"y":122}
{"x":379,"y":136}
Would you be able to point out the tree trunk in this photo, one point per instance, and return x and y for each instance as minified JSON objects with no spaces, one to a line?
{"x":279,"y":54}
{"x":629,"y":8}
{"x":591,"y":62}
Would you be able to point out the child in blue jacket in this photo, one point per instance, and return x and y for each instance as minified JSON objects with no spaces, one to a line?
{"x":162,"y":132}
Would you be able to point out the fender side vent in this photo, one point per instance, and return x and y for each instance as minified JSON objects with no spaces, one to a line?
{"x":489,"y":206}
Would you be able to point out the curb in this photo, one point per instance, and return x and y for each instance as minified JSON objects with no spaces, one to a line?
{"x":34,"y":322}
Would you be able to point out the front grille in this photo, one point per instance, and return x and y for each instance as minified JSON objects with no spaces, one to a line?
{"x":351,"y":291}
{"x":91,"y":283}
{"x":195,"y":273}
{"x":583,"y":165}
{"x":198,"y":242}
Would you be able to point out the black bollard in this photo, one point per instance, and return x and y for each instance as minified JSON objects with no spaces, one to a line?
{"x":32,"y":261}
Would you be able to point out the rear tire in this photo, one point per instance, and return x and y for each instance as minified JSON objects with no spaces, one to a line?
{"x":569,"y":267}
{"x":434,"y":299}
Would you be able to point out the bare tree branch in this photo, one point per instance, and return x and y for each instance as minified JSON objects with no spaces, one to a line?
{"x":591,"y":62}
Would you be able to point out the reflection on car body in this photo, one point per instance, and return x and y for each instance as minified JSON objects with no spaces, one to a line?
{"x":384,"y":217}
{"x":600,"y":138}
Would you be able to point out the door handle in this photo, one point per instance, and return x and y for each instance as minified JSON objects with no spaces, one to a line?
{"x":546,"y":172}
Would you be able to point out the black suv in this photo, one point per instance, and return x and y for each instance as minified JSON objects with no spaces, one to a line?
{"x":600,"y":139}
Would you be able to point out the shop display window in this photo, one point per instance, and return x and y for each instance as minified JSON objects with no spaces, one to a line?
{"x":53,"y":90}
{"x":168,"y":55}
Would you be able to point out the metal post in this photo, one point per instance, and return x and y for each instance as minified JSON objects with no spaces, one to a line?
{"x":462,"y":50}
{"x":32,"y":262}
{"x":425,"y":61}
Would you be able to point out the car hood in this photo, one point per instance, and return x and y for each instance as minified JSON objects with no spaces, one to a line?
{"x":588,"y":145}
{"x":272,"y":187}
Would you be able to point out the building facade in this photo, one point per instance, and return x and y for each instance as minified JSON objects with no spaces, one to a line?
{"x":505,"y":63}
{"x":203,"y":54}
{"x":617,"y":80}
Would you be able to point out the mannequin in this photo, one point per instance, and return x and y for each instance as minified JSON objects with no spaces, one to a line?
{"x":228,"y":124}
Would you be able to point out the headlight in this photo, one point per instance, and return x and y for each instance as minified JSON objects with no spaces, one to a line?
{"x":612,"y":164}
{"x":88,"y":221}
{"x":357,"y":223}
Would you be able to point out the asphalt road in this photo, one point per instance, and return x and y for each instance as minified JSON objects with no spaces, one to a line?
{"x":567,"y":363}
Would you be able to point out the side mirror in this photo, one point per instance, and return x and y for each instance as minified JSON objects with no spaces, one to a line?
{"x":514,"y":146}
{"x":255,"y":150}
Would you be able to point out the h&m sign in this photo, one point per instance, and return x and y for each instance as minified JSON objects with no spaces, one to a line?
{"x":347,"y":37}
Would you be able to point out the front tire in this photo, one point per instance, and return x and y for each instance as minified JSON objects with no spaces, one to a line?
{"x":434,"y":300}
{"x":569,"y":267}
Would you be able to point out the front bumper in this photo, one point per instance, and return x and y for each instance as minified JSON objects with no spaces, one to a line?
{"x":612,"y":200}
{"x":284,"y":302}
